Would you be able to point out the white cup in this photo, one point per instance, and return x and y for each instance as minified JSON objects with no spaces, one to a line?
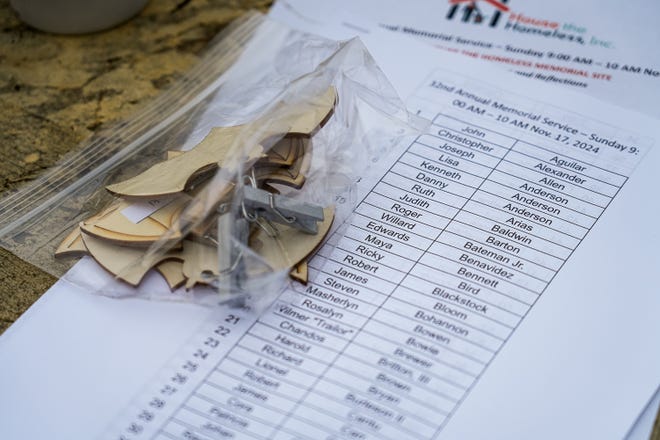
{"x":76,"y":16}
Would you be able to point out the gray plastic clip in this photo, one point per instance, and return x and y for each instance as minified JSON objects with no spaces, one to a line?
{"x":281,"y":209}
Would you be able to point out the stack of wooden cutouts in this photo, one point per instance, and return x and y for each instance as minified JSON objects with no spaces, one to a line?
{"x":280,"y":230}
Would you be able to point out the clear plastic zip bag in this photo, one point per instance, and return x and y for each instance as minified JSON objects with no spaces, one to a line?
{"x":222,"y":189}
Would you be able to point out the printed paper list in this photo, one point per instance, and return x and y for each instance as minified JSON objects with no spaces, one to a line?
{"x":444,"y":257}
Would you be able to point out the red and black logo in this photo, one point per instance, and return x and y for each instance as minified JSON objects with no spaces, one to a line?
{"x":468,"y":11}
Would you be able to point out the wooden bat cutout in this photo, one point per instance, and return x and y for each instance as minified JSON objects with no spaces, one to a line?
{"x":175,"y":175}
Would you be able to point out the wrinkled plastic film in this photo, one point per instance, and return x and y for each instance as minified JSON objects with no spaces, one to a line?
{"x":230,"y":195}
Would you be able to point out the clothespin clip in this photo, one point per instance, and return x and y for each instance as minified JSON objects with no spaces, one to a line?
{"x":259,"y":207}
{"x":281,"y":209}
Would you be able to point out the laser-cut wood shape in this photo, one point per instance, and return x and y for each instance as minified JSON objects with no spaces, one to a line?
{"x":180,"y":172}
{"x":112,"y":225}
{"x":72,"y":245}
{"x":284,"y":152}
{"x":119,"y":245}
{"x":300,"y":273}
{"x":127,"y":264}
{"x":172,"y":272}
{"x":200,"y":263}
{"x":293,"y":176}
